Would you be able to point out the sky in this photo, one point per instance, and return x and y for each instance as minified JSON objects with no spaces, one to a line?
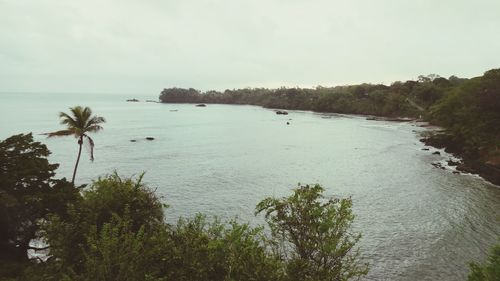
{"x":126,"y":46}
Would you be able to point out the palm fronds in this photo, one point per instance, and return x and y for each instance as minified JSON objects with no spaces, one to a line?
{"x":78,"y":123}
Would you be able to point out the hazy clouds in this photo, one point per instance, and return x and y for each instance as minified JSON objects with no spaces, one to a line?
{"x":143,"y":46}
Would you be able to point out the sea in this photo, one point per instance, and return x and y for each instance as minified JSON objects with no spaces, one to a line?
{"x":418,"y":222}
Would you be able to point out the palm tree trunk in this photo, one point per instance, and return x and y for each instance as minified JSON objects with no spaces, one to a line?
{"x":80,"y":142}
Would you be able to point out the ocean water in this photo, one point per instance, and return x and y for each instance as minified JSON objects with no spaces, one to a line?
{"x":418,"y":222}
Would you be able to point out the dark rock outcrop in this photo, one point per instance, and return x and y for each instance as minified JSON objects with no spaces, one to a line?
{"x":474,"y":163}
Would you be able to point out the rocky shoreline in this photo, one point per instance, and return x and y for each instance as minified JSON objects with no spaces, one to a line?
{"x":487,"y":167}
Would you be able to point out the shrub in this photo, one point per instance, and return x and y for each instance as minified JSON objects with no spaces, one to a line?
{"x":313,"y":235}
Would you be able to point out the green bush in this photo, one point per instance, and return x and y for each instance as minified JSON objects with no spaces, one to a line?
{"x":202,"y":250}
{"x":313,"y":235}
{"x":105,"y":200}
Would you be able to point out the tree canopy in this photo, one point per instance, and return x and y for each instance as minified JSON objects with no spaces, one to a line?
{"x":28,"y":193}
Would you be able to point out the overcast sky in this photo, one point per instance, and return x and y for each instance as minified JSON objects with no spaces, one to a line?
{"x":144,"y":46}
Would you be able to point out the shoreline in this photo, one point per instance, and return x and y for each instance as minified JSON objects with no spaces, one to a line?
{"x":467,"y":165}
{"x":483,"y":167}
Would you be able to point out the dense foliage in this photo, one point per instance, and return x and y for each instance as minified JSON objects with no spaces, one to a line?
{"x":313,"y":235}
{"x":116,"y":231}
{"x":108,"y":202}
{"x":471,"y":113}
{"x":490,"y":271}
{"x":409,"y":98}
{"x":28,"y":193}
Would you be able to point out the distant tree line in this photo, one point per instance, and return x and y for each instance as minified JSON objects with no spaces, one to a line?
{"x":469,"y":109}
{"x":408,"y":98}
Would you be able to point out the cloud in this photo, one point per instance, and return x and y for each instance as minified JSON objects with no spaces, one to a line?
{"x":143,"y":46}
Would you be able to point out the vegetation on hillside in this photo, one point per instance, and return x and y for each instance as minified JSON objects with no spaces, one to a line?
{"x":409,"y":98}
{"x":470,"y":113}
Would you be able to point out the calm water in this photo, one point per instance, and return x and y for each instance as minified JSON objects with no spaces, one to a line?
{"x":418,"y":222}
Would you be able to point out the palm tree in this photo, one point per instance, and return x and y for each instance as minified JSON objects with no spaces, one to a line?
{"x":79,"y":125}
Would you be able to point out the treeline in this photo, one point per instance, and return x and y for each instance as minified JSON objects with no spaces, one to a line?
{"x":115,"y":229}
{"x":409,"y":99}
{"x":469,"y":109}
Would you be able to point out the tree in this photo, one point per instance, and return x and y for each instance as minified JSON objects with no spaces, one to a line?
{"x":79,"y":126}
{"x":28,"y":193}
{"x":314,"y":235}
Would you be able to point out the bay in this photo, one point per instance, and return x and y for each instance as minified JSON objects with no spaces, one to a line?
{"x":418,"y":222}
